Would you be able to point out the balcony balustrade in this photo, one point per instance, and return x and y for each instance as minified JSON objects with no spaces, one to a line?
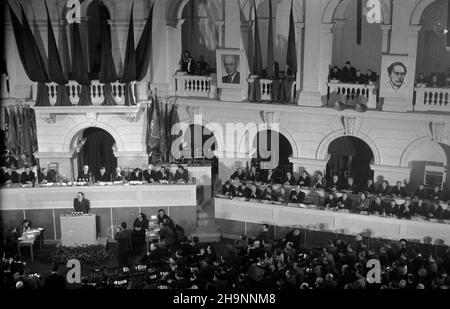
{"x":195,"y":86}
{"x":432,"y":99}
{"x":353,"y":91}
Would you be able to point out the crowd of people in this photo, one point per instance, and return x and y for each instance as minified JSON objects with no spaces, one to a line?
{"x":348,"y":74}
{"x":153,"y":174}
{"x":434,"y":80}
{"x":260,"y":262}
{"x":192,"y":67}
{"x":385,"y":200}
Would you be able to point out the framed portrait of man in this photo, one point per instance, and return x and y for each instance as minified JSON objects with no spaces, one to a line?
{"x":395,"y":79}
{"x":231,"y":71}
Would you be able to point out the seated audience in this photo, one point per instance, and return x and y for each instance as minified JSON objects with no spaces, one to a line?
{"x":421,"y":193}
{"x":436,"y":194}
{"x":55,"y":281}
{"x":289,"y":180}
{"x":391,"y":209}
{"x":304,"y":180}
{"x":268,"y":177}
{"x":167,"y":236}
{"x":46,"y":176}
{"x":404,"y":211}
{"x":10,"y":176}
{"x":330,"y":201}
{"x":421,"y":79}
{"x":335,"y":74}
{"x":436,"y":211}
{"x":281,"y":196}
{"x":255,"y":192}
{"x":269,"y":194}
{"x":359,"y":78}
{"x":334,"y":184}
{"x":297,"y":196}
{"x":149,"y":174}
{"x":243,"y":191}
{"x":181,"y":175}
{"x":434,"y":82}
{"x":118,"y":175}
{"x":11,"y":242}
{"x":253,"y":175}
{"x":350,"y":186}
{"x":384,"y":188}
{"x":344,"y":202}
{"x":136,"y":175}
{"x":228,"y":189}
{"x":398,"y":190}
{"x":28,"y":177}
{"x":363,"y":203}
{"x":377,"y":206}
{"x":320,"y":182}
{"x":103,"y":176}
{"x":371,"y":77}
{"x":369,"y":187}
{"x":239,"y":174}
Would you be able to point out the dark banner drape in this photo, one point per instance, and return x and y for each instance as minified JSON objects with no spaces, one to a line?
{"x":154,"y":127}
{"x":129,"y":63}
{"x":270,"y":66}
{"x":79,"y":68}
{"x":11,"y":133}
{"x":144,"y":48}
{"x":291,"y":58}
{"x":107,"y":73}
{"x":30,"y":56}
{"x":173,"y":119}
{"x":358,"y":21}
{"x":55,"y":70}
{"x":257,"y":57}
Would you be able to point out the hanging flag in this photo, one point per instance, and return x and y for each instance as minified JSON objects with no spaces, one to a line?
{"x":270,"y":61}
{"x":55,"y":70}
{"x":358,"y":21}
{"x":448,"y":25}
{"x":144,"y":48}
{"x":79,"y":68}
{"x":153,"y":132}
{"x":163,"y":131}
{"x":291,"y":59}
{"x":173,"y":115}
{"x":257,"y":58}
{"x":129,"y":64}
{"x":11,"y":139}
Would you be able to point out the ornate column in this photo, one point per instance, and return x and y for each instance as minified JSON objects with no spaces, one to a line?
{"x":174,"y":50}
{"x":299,"y":46}
{"x":220,"y":27}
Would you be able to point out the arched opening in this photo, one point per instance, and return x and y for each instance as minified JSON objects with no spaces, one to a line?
{"x":95,"y":148}
{"x":350,"y":157}
{"x":428,"y":163}
{"x":432,"y":56}
{"x":201,"y":144}
{"x":364,"y":56}
{"x":198,"y":31}
{"x":277,"y":144}
{"x":98,"y":16}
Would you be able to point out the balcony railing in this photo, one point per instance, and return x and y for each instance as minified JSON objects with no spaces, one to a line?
{"x":195,"y":86}
{"x":432,"y":99}
{"x":268,"y":93}
{"x":97,"y":91}
{"x":353,"y":91}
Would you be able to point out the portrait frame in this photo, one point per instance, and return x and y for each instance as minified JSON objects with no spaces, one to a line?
{"x":386,"y":88}
{"x":239,"y":55}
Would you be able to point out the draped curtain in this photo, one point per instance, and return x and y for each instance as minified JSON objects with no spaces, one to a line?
{"x":21,"y":137}
{"x":129,"y":64}
{"x":30,"y":56}
{"x":79,"y":68}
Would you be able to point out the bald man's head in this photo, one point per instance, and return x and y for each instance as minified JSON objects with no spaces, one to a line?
{"x":230,"y":63}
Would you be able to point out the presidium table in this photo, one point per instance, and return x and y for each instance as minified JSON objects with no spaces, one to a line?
{"x":111,"y":205}
{"x":238,"y":216}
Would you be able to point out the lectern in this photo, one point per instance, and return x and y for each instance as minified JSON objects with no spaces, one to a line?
{"x":78,"y":230}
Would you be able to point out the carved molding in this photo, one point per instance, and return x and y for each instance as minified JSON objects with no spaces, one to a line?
{"x":91,"y":118}
{"x":51,"y":118}
{"x":270,"y":118}
{"x":348,"y":124}
{"x":437,"y":131}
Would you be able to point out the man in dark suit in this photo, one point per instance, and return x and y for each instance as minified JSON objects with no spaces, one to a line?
{"x":181,"y":174}
{"x":45,"y":176}
{"x":289,"y":180}
{"x":350,"y":186}
{"x":398,"y":190}
{"x":27,"y":177}
{"x":384,"y":188}
{"x":103,"y":176}
{"x":85,"y":175}
{"x":10,"y":176}
{"x":421,"y":193}
{"x":297,"y":196}
{"x":377,"y":206}
{"x":348,"y":73}
{"x":117,"y":175}
{"x":149,"y":174}
{"x":228,"y":189}
{"x":80,"y":204}
{"x":124,"y":244}
{"x":231,"y":64}
{"x":55,"y":281}
{"x":136,"y":175}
